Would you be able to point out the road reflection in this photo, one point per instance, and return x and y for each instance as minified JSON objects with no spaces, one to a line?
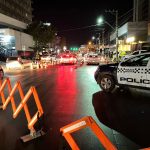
{"x":66,"y":89}
{"x":126,"y":112}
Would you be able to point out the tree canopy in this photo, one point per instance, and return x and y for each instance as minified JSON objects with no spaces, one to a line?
{"x":43,"y":34}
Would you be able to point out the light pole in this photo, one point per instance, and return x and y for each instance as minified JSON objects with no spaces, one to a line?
{"x":99,"y":42}
{"x":116,"y":12}
{"x":100,"y":21}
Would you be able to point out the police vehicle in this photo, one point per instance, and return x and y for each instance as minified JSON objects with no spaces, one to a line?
{"x":134,"y":71}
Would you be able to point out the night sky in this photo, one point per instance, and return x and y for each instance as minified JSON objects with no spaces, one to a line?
{"x":65,"y":15}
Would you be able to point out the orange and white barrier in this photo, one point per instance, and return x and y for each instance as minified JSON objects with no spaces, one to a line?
{"x":23,"y":105}
{"x":83,"y":123}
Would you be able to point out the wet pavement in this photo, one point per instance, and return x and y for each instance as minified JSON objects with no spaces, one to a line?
{"x":67,"y":94}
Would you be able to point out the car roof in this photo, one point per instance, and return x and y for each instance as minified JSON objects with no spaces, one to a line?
{"x":138,"y":55}
{"x":140,"y":50}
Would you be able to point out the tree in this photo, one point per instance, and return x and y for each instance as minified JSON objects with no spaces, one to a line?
{"x":42,"y":34}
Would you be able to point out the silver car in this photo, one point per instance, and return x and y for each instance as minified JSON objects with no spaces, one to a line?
{"x":92,"y":59}
{"x":18,"y":62}
{"x":133,"y":54}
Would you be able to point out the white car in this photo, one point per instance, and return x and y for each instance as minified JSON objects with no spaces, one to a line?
{"x":67,"y":58}
{"x":133,"y":54}
{"x":18,"y":63}
{"x":92,"y":59}
{"x":133,"y":72}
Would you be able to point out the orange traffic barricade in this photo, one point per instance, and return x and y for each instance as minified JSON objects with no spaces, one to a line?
{"x":83,"y":123}
{"x":23,"y":105}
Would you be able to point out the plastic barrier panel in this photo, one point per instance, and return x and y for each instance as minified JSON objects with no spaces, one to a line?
{"x":83,"y":123}
{"x":3,"y":86}
{"x":24,"y":98}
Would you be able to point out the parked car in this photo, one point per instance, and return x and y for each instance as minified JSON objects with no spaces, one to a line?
{"x":92,"y":59}
{"x":18,"y":62}
{"x":134,"y":72}
{"x":46,"y":58}
{"x":133,"y":54}
{"x":67,"y":58}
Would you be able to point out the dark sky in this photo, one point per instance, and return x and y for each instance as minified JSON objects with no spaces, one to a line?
{"x":72,"y":14}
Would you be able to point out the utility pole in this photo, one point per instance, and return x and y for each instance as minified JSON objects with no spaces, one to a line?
{"x":115,"y":12}
{"x":117,"y":36}
{"x":103,"y":41}
{"x":99,"y":41}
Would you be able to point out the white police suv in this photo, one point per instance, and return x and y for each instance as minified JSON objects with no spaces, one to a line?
{"x":134,"y":71}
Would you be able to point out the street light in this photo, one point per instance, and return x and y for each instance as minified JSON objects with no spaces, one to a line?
{"x":64,"y":48}
{"x":93,"y":37}
{"x":100,"y":21}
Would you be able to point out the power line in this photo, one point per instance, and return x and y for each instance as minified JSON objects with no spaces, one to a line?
{"x":80,"y":28}
{"x":125,"y":13}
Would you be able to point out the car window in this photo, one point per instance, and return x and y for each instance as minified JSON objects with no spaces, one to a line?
{"x":12,"y":58}
{"x":141,"y":60}
{"x":93,"y":56}
{"x":143,"y":51}
{"x":135,"y":53}
{"x":25,"y":57}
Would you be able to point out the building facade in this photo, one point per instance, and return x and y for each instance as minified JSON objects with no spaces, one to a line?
{"x":18,"y":9}
{"x":138,"y":30}
{"x":141,"y":10}
{"x":15,"y":15}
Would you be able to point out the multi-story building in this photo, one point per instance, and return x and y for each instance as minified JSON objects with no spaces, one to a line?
{"x":138,"y":30}
{"x":141,"y":10}
{"x":15,"y":15}
{"x":17,"y":9}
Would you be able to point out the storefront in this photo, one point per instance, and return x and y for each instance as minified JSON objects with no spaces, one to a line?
{"x":13,"y":43}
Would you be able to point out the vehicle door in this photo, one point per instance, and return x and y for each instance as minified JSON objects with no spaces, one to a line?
{"x":147,"y":71}
{"x":134,"y":71}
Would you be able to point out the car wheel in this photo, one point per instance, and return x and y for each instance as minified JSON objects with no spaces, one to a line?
{"x":107,"y":83}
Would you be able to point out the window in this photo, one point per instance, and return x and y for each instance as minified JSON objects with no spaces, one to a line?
{"x":93,"y":56}
{"x":141,"y":60}
{"x":143,"y":51}
{"x":12,"y":58}
{"x":135,"y":53}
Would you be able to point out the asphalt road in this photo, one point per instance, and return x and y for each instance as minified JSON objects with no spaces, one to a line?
{"x":67,"y":94}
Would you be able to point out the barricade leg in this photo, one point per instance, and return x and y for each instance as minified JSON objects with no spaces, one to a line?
{"x":2,"y":96}
{"x":32,"y":135}
{"x":83,"y":123}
